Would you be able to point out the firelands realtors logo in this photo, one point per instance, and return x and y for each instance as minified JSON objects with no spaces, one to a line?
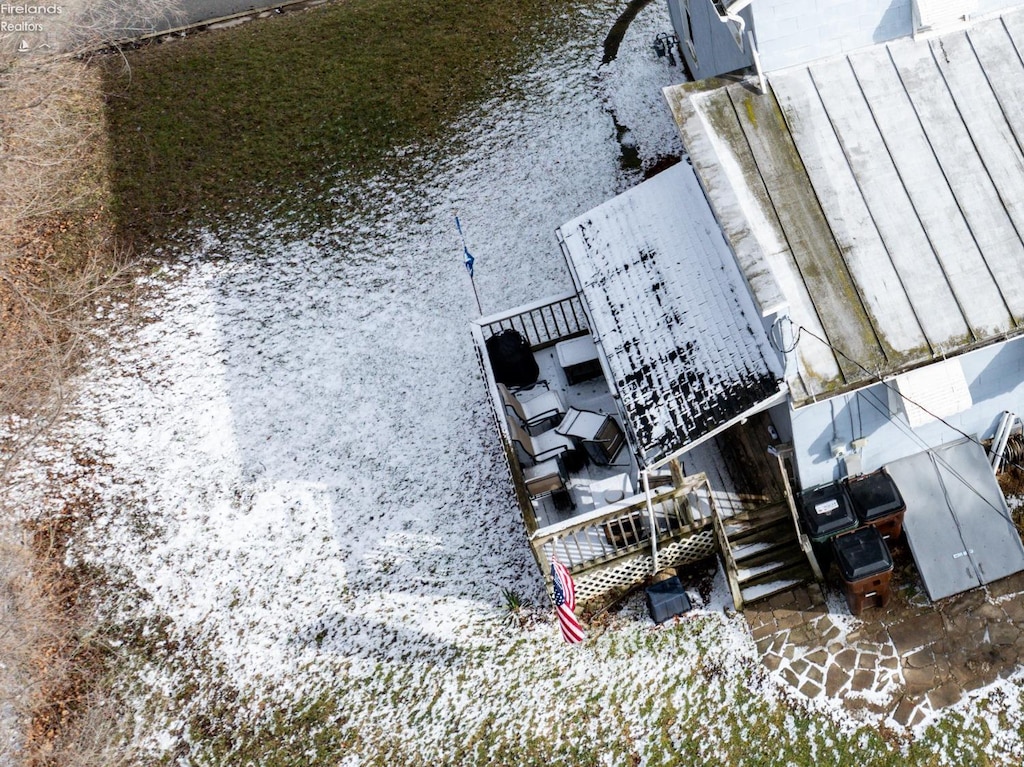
{"x":22,"y":19}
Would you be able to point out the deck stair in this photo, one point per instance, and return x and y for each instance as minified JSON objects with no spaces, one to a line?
{"x":762,"y":553}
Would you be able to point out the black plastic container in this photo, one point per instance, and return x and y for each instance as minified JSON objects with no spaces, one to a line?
{"x":878,"y":502}
{"x":861,"y":554}
{"x":511,"y":359}
{"x":667,"y":599}
{"x":865,"y":566}
{"x":826,"y":511}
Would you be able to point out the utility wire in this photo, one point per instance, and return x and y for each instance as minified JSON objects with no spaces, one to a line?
{"x":938,"y":458}
{"x":909,"y":430}
{"x":893,"y":388}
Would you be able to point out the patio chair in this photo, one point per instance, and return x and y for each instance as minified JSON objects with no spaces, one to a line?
{"x":533,"y":411}
{"x":548,"y":479}
{"x":540,"y":447}
{"x":600,"y":434}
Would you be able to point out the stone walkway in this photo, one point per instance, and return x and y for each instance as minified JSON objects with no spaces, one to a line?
{"x":905,"y":660}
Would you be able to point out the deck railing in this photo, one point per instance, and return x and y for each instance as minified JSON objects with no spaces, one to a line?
{"x":611,"y":549}
{"x":729,"y":560}
{"x":782,"y":454}
{"x":543,"y":323}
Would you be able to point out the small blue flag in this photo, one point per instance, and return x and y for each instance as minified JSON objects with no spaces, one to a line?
{"x":469,"y":256}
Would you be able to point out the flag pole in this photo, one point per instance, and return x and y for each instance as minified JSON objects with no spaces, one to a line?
{"x":476,"y":295}
{"x":469,"y":263}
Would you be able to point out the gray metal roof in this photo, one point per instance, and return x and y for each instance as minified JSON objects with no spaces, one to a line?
{"x":879,"y":196}
{"x":682,"y":339}
{"x":957,"y":523}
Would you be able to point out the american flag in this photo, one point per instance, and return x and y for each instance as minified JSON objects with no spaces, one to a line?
{"x":565,"y":603}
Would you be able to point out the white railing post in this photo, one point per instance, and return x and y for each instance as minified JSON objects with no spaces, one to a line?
{"x":650,"y":516}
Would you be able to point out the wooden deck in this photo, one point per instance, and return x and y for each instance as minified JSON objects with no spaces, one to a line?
{"x":739,"y":467}
{"x":609,"y":547}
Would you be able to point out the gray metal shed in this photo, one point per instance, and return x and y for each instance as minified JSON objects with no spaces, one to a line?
{"x":957,"y":523}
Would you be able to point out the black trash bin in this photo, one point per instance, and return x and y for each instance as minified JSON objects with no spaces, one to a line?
{"x":878,"y":502}
{"x":826,"y":511}
{"x":865,"y":566}
{"x":667,"y":599}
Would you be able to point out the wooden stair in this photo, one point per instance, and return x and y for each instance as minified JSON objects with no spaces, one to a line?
{"x":762,"y":553}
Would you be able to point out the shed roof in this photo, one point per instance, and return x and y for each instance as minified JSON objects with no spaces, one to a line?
{"x":879,"y":196}
{"x":681,"y":336}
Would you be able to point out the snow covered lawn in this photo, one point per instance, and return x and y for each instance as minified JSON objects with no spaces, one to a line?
{"x":298,"y":493}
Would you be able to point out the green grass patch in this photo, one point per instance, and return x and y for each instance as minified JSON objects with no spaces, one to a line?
{"x":272,"y":113}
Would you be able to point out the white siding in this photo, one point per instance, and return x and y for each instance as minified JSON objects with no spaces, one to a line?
{"x":798,"y":31}
{"x":995,"y":381}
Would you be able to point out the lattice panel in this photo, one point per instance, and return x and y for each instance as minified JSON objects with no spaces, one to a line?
{"x":627,"y":572}
{"x":693,"y":549}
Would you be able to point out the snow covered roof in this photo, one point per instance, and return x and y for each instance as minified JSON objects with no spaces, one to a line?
{"x":879,"y":196}
{"x":682,"y":338}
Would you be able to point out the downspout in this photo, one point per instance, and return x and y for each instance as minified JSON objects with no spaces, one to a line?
{"x":732,"y":13}
{"x":762,"y":84}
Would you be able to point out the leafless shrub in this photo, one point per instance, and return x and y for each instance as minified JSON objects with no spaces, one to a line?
{"x":57,"y":250}
{"x":58,"y":256}
{"x":57,"y":711}
{"x":85,"y":23}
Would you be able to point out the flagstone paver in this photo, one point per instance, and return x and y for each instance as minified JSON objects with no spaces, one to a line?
{"x":868,"y":660}
{"x":863,"y":679}
{"x":904,"y":661}
{"x":818,"y":657}
{"x":815,"y":674}
{"x":920,"y":659}
{"x":1003,"y":633}
{"x":790,"y":676}
{"x":835,"y":680}
{"x":787,"y":619}
{"x":907,"y":711}
{"x":847,"y":659}
{"x":1014,"y":608}
{"x":916,"y":632}
{"x":810,"y":689}
{"x":1013,"y":584}
{"x":945,"y":695}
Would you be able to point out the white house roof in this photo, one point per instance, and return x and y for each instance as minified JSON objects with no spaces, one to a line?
{"x":879,"y":197}
{"x":682,"y":339}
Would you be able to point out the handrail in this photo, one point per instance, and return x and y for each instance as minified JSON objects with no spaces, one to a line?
{"x":615,"y":531}
{"x":805,"y":543}
{"x":597,"y":516}
{"x":731,"y":568}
